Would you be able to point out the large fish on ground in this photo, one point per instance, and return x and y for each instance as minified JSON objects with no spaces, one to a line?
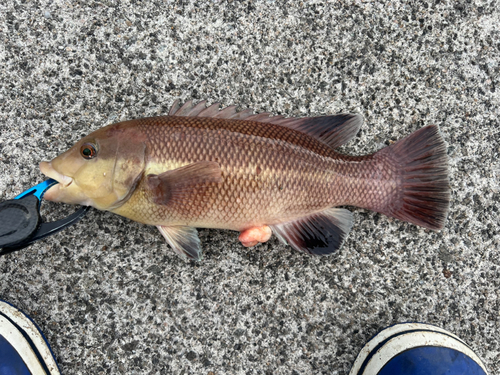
{"x":253,"y":173}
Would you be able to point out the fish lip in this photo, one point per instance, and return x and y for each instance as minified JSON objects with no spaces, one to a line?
{"x":48,"y":170}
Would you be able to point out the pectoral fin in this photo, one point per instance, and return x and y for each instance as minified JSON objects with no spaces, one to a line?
{"x":318,"y":234}
{"x":179,"y":184}
{"x":184,"y":240}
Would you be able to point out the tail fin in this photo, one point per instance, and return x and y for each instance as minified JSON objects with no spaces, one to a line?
{"x":422,"y":166}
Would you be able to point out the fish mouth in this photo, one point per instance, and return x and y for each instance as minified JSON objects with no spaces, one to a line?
{"x":49,"y":171}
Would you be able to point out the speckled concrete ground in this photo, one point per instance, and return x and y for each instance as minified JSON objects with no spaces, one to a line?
{"x":113,"y":298}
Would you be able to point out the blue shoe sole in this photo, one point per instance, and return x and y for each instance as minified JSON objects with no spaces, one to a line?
{"x":417,"y":349}
{"x":23,"y":347}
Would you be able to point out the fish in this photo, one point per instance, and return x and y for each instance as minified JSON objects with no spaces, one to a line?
{"x":259,"y":174}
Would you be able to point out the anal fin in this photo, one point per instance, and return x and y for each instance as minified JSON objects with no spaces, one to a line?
{"x":183,"y":240}
{"x":319,"y":234}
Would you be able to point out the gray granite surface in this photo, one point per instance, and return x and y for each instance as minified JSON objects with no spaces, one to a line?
{"x":110,"y":295}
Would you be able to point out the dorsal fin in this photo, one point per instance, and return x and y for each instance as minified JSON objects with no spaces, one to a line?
{"x":333,"y":130}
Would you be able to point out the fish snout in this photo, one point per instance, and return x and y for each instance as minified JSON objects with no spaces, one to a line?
{"x":49,"y":171}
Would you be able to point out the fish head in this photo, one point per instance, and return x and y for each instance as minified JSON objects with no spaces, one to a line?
{"x":101,"y":170}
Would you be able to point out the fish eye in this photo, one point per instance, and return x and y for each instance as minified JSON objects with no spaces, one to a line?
{"x":88,"y":151}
